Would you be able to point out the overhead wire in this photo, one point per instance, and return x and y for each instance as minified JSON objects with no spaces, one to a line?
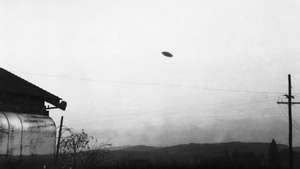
{"x":175,"y":114}
{"x":266,"y":93}
{"x":137,"y":83}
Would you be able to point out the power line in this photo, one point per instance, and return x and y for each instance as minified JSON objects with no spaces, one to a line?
{"x":173,"y":114}
{"x":174,"y":85}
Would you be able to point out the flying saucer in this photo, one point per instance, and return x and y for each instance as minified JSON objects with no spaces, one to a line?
{"x":167,"y":54}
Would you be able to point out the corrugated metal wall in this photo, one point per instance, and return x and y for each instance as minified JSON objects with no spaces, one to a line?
{"x":26,"y":134}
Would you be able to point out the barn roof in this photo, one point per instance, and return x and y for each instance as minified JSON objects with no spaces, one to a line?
{"x":15,"y":85}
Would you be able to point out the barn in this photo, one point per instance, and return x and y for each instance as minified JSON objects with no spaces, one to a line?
{"x":25,"y":126}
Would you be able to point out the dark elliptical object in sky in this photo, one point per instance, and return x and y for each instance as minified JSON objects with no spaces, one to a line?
{"x":167,"y":54}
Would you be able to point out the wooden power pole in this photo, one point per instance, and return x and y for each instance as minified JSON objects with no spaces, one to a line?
{"x":289,"y":96}
{"x":58,"y":140}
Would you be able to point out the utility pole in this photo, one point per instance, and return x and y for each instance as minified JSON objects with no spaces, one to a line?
{"x":289,"y":96}
{"x":58,"y":140}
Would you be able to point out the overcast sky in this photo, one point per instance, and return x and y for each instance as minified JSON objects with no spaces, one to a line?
{"x":230,"y":66}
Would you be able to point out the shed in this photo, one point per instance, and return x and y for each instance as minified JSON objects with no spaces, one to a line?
{"x":25,"y":125}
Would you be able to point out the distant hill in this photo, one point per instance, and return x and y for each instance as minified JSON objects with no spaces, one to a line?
{"x":211,"y":149}
{"x":217,"y":149}
{"x":195,"y":155}
{"x":139,"y":148}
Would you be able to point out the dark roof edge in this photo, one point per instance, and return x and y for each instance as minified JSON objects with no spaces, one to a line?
{"x":33,"y":91}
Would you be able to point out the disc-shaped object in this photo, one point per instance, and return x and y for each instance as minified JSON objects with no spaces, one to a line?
{"x":167,"y":54}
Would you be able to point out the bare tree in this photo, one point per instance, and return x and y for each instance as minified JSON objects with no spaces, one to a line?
{"x":79,"y":150}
